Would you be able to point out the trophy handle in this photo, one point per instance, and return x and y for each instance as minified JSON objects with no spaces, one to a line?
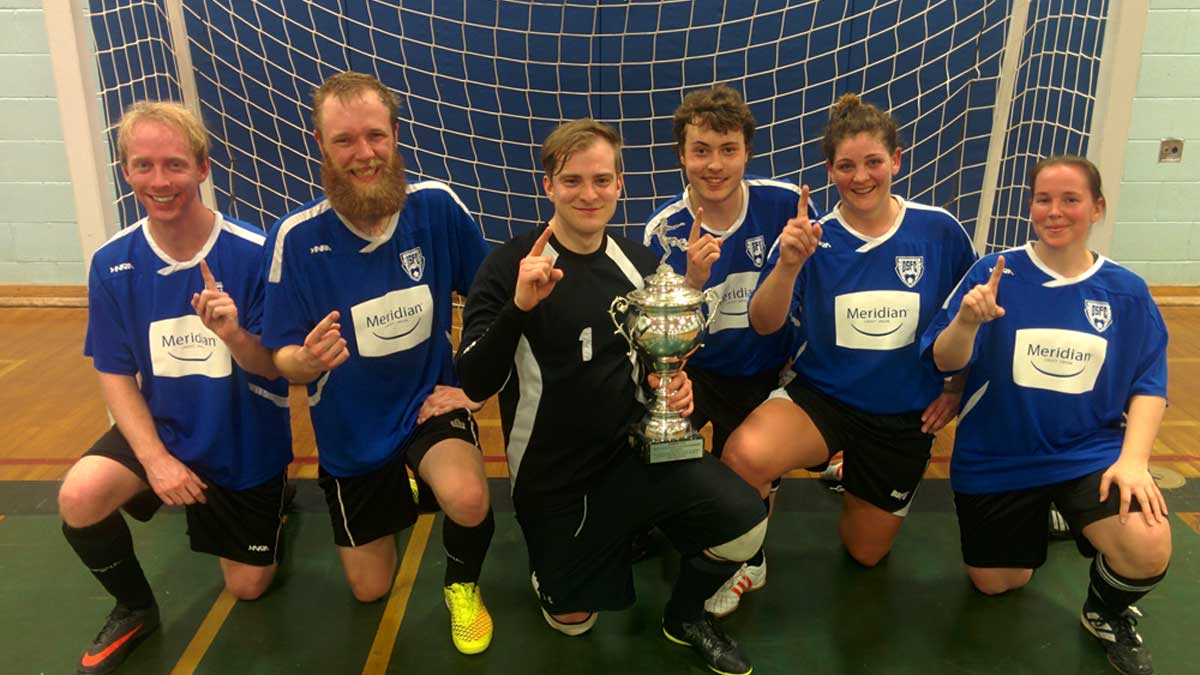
{"x":712,"y":298}
{"x":617,"y":312}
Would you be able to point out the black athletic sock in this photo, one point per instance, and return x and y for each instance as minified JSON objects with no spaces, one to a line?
{"x":699,"y":577}
{"x":1114,"y":593}
{"x":466,"y":547}
{"x":106,"y":548}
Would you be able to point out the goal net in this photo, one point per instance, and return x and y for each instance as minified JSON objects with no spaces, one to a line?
{"x":482,"y":83}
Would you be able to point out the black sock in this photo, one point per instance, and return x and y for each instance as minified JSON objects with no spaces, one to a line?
{"x":106,"y":548}
{"x":1112,"y":592}
{"x":466,"y":547}
{"x":699,"y":577}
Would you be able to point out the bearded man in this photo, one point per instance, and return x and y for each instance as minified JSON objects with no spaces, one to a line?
{"x":358,"y":307}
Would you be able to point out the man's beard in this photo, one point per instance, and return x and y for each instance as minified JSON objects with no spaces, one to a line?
{"x":365,"y":203}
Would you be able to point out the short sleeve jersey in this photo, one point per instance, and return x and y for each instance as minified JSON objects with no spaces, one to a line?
{"x":393,"y":293}
{"x":230,"y":426}
{"x":865,"y":301}
{"x":732,"y":347}
{"x":1049,"y":381}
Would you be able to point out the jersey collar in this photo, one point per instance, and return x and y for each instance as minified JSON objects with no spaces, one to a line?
{"x":872,"y":242}
{"x":1057,"y":280}
{"x":173,"y":265}
{"x":737,"y":222}
{"x":372,"y":242}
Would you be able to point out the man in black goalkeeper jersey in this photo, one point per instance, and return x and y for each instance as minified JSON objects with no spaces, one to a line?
{"x":537,"y":330}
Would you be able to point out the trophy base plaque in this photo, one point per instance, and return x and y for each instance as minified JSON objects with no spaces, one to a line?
{"x":657,"y":452}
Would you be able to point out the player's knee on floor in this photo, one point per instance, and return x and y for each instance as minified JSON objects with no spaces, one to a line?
{"x":867,"y":554}
{"x":572,"y":625}
{"x":997,"y":581}
{"x":743,"y":547}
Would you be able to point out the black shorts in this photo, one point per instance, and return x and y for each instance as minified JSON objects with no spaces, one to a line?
{"x":727,"y":400}
{"x":1011,"y":529}
{"x":239,"y":525}
{"x":375,"y":504}
{"x":884,"y":455}
{"x":581,"y":551}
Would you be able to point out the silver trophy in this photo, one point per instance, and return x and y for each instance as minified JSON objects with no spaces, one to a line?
{"x":664,"y":325}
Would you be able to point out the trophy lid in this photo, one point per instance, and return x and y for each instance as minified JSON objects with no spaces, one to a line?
{"x":666,"y":289}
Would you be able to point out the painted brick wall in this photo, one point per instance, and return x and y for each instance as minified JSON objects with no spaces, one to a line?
{"x":1157,"y":232}
{"x":39,"y":239}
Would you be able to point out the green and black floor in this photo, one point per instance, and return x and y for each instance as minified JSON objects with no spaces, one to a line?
{"x":820,"y":612}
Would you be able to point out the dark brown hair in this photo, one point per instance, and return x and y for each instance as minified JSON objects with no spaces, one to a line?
{"x":720,"y":109}
{"x":851,"y":116}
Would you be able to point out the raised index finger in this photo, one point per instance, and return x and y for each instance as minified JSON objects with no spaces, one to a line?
{"x":539,"y":246}
{"x":326,"y":323}
{"x":802,"y":205}
{"x":695,"y":233}
{"x":210,"y":282}
{"x":997,"y":272}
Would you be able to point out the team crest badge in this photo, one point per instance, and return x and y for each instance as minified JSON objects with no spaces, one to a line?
{"x":910,"y":268}
{"x":1098,"y":313}
{"x":413,"y":262}
{"x":755,"y":247}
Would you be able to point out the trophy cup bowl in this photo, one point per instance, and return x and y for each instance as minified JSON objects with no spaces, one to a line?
{"x":665,"y":323}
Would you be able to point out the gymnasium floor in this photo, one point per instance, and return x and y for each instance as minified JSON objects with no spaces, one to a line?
{"x":820,"y":613}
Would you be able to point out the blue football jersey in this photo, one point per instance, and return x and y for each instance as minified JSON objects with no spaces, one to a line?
{"x":732,"y":347}
{"x":393,"y":294}
{"x":865,"y":301}
{"x":232,"y":427}
{"x":1048,"y":382}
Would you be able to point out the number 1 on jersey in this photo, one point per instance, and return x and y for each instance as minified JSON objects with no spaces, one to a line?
{"x":585,"y":347}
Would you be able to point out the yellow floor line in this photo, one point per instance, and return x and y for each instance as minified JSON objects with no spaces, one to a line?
{"x":1191,"y":518}
{"x":393,"y":614}
{"x":1180,"y":423}
{"x":205,"y":635}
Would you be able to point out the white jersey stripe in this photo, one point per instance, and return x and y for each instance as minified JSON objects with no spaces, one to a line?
{"x":529,"y":375}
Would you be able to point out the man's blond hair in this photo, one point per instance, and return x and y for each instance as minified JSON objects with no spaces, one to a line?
{"x":346,"y":87}
{"x":170,"y":113}
{"x":572,"y":137}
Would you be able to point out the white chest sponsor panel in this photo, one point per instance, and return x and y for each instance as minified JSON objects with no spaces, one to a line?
{"x":183,"y":346}
{"x":393,"y":322}
{"x":734,"y":310}
{"x":1065,"y":361}
{"x":877,"y":320}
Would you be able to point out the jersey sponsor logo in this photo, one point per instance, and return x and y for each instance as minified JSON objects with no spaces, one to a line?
{"x":413,"y":262}
{"x":183,"y":346}
{"x":755,"y":247}
{"x":910,"y":269}
{"x":876,"y":320}
{"x":824,"y":244}
{"x":321,"y":248}
{"x":734,"y":309}
{"x":1098,"y":313}
{"x":123,"y":267}
{"x":393,"y":322}
{"x":1007,"y":270}
{"x":1065,"y":361}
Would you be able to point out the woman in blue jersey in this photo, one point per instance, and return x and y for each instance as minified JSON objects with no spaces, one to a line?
{"x":866,"y":280}
{"x":1068,"y":379}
